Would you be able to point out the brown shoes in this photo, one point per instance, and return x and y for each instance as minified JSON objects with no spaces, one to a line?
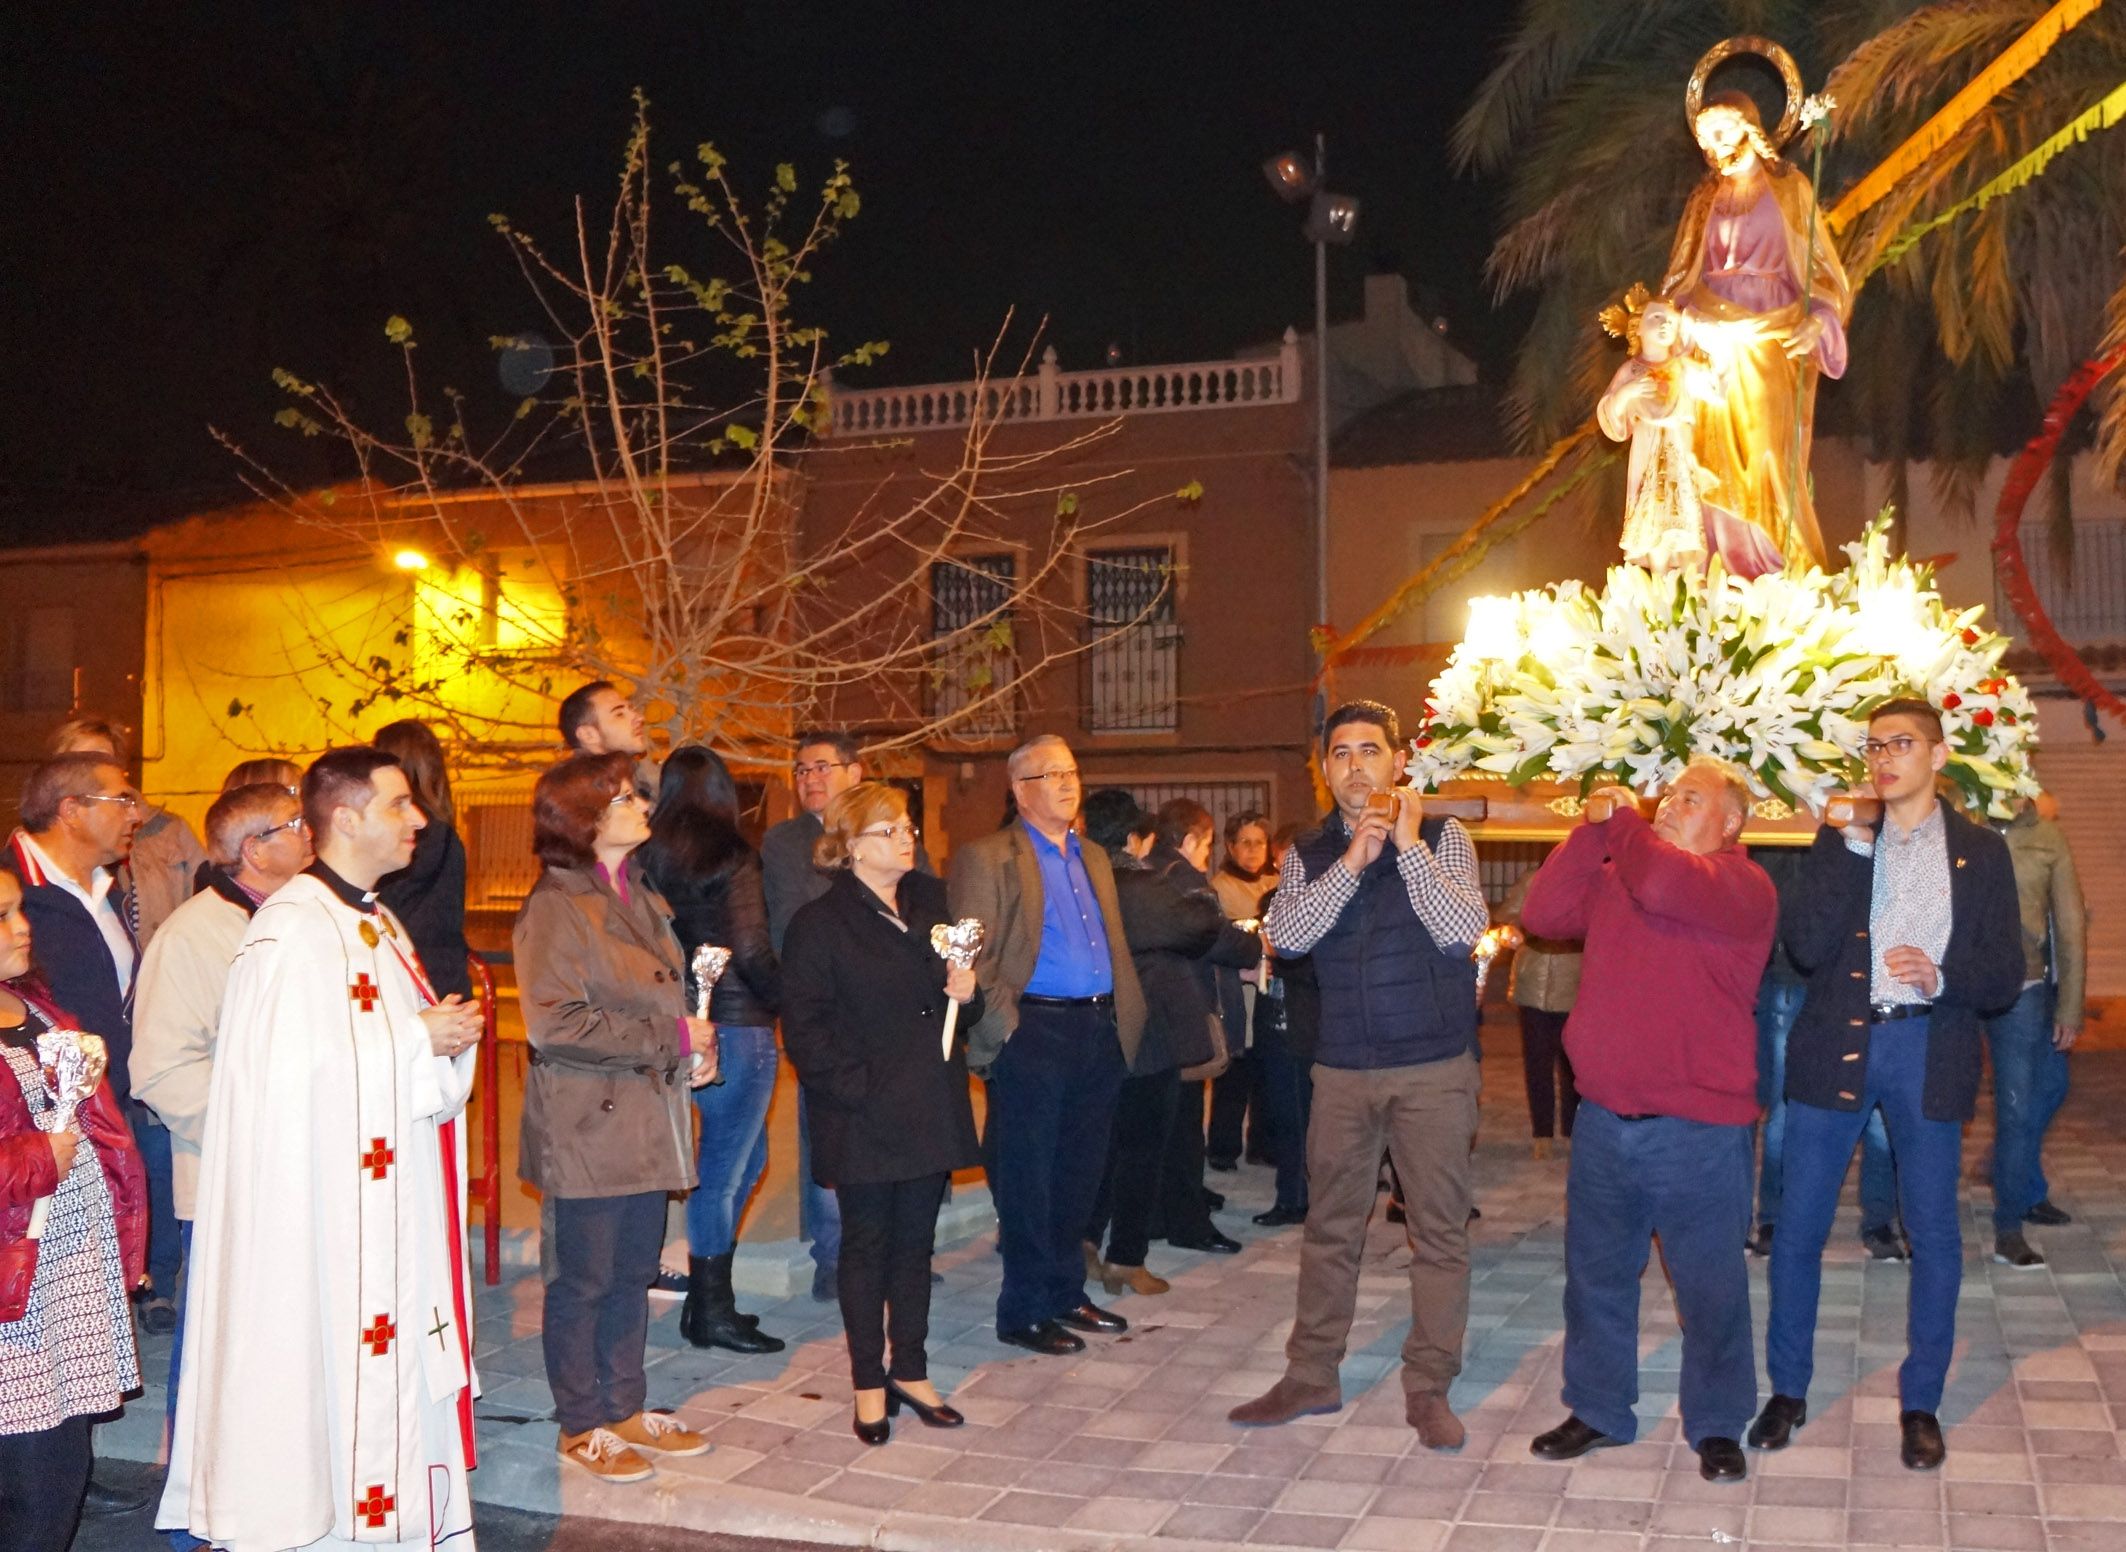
{"x":1095,"y":1268}
{"x":1284,"y":1401}
{"x":659,"y":1433}
{"x":601,"y":1452}
{"x":1437,"y":1426}
{"x":1134,"y":1279}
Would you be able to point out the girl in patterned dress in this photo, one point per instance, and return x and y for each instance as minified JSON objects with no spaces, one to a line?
{"x":66,"y":1342}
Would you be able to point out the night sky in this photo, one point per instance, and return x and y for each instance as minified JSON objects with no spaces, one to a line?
{"x":198,"y":195}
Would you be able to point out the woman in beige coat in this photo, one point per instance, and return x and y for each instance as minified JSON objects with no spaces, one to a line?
{"x":607,"y":1127}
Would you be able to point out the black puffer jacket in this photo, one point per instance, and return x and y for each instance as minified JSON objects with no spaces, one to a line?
{"x":726,"y":907}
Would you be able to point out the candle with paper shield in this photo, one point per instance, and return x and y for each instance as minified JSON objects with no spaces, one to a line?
{"x":72,"y":1065}
{"x":1488,"y":947}
{"x":957,"y":944}
{"x":710,"y":962}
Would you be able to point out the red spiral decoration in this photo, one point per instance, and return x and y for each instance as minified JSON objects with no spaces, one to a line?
{"x":2029,"y":467}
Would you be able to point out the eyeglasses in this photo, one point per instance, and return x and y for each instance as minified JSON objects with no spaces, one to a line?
{"x":1056,"y":777}
{"x":904,"y":831}
{"x":122,"y":799}
{"x":271,"y":831}
{"x":820,"y":767}
{"x":1899,"y":744}
{"x":626,"y":795}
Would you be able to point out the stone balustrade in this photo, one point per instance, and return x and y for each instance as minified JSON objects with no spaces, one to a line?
{"x":1054,"y":394}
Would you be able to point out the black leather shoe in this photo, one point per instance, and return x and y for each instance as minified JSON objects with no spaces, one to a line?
{"x":1760,"y":1242}
{"x":1923,"y":1448}
{"x":939,"y":1416}
{"x":878,"y":1432}
{"x":1720,"y":1460}
{"x":1570,"y":1440}
{"x":1217,"y":1244}
{"x":103,"y":1500}
{"x":2048,"y":1215}
{"x":1213,"y":1201}
{"x":1047,"y":1338}
{"x":1280,"y":1217}
{"x":1222,"y":1166}
{"x":1775,"y":1425}
{"x":1886,"y":1244}
{"x":1090,"y":1317}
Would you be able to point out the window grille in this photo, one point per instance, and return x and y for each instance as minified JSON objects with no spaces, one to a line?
{"x":970,"y":618}
{"x":1133,"y":663}
{"x":2087,"y":600}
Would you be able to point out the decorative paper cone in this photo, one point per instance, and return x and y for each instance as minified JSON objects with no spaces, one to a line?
{"x":952,"y":1020}
{"x":43,"y":1210}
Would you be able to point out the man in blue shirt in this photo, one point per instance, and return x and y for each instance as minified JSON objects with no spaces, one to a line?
{"x":1064,"y":1016}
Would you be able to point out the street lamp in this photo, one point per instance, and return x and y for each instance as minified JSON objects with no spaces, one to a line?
{"x":1331,"y":218}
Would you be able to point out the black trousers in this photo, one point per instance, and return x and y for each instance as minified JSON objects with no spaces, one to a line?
{"x":1183,"y":1214}
{"x":1236,"y":1106}
{"x":1123,"y":1214}
{"x":1051,"y":1107}
{"x":1552,"y":1099}
{"x":42,"y":1478}
{"x":883,"y":1276}
{"x":598,"y":1305}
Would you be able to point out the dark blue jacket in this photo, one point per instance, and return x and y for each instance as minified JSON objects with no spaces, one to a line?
{"x":1824,"y":919}
{"x":1390,"y":996}
{"x":69,"y":950}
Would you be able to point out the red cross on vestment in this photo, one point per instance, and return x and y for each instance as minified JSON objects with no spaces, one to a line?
{"x":365,"y":992}
{"x":379,"y":1336}
{"x":378,"y":1159}
{"x":374,"y":1505}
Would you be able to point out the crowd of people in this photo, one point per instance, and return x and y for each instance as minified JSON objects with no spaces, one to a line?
{"x":268,"y":1162}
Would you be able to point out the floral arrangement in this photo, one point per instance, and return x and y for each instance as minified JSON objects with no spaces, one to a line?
{"x":1776,"y":673}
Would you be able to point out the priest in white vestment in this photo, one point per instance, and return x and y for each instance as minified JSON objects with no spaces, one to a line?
{"x":327,"y":1367}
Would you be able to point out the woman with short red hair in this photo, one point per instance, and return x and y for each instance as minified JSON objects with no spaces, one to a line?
{"x":607,"y":1131}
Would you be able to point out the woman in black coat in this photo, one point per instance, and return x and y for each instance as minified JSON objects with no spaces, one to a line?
{"x":711,"y":877}
{"x":428,"y":894}
{"x":863,"y":1021}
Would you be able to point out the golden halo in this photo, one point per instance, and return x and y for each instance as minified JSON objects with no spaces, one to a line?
{"x":1765,"y":49}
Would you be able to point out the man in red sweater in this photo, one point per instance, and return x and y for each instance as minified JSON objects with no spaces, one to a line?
{"x":1678,"y":924}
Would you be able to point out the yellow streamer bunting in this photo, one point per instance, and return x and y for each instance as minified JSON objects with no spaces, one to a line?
{"x":2102,"y":116}
{"x":2010,"y":67}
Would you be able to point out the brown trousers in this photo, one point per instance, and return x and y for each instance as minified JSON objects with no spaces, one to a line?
{"x":1425,"y":1117}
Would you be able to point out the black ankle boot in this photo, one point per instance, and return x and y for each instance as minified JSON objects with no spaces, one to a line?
{"x":710,"y":1315}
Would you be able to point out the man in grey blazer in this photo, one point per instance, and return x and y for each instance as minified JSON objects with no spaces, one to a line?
{"x":1064,"y":1015}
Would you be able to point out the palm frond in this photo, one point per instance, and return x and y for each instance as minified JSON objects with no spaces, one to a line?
{"x":2111,"y":406}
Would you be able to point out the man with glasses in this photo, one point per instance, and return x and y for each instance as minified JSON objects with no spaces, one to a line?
{"x":1388,"y":904}
{"x":826,"y":765}
{"x":256,"y":842}
{"x":1908,"y":940}
{"x":79,"y":815}
{"x":1062,"y":1021}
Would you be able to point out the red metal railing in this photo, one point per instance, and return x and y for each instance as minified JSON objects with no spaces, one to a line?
{"x":486,"y":1186}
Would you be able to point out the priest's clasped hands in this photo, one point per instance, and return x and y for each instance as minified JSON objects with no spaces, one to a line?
{"x":454,"y":1025}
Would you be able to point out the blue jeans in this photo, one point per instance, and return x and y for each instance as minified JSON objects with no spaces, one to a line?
{"x":1778,"y":1003}
{"x":733,"y":1152}
{"x":1288,"y":1097}
{"x":1819,"y":1146}
{"x":2029,"y":1085}
{"x":1689,"y":1183}
{"x":165,"y":1241}
{"x":819,"y":1210}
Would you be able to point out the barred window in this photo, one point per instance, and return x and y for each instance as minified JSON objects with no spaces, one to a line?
{"x":1133,"y":659}
{"x":977,"y":654}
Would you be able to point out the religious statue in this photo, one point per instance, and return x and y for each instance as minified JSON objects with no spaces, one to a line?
{"x":1764,"y":297}
{"x":1653,"y":402}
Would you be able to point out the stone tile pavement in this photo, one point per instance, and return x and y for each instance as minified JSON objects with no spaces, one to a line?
{"x":1127,"y":1445}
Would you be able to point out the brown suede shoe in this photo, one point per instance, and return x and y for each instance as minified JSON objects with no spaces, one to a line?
{"x":1285,"y":1400}
{"x":1437,"y":1426}
{"x":1133,"y":1278}
{"x":600,"y":1452}
{"x":658,"y":1432}
{"x":1095,"y":1268}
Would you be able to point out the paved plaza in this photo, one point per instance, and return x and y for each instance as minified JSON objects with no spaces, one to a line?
{"x":1127,"y":1446}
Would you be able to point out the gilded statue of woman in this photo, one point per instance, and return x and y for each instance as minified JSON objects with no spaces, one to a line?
{"x":1737,"y":270}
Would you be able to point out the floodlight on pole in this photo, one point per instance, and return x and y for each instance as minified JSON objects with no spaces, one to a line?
{"x":1331,"y":218}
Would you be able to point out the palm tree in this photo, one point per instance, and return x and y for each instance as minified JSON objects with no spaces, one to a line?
{"x":1955,"y":345}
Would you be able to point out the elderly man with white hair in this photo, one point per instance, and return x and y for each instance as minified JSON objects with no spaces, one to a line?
{"x":1678,"y":924}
